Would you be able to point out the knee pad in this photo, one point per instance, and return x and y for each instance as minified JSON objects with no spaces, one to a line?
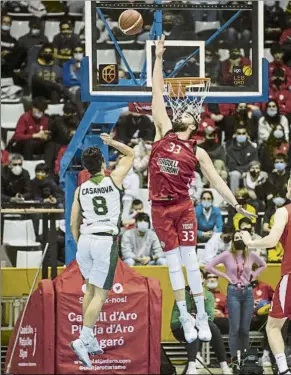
{"x":189,"y":258}
{"x":175,"y":269}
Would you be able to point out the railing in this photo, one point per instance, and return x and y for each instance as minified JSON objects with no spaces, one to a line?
{"x":11,"y":308}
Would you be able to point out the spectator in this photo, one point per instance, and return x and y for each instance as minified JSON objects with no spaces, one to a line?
{"x":12,"y":55}
{"x":280,"y":74}
{"x":209,"y":219}
{"x":220,"y":308}
{"x":45,"y":76}
{"x":242,"y":196}
{"x":278,"y":179}
{"x":140,"y":245}
{"x":278,"y":200}
{"x":192,"y":348}
{"x":65,"y":42}
{"x":129,"y":217}
{"x":262,"y":292}
{"x":270,"y":120}
{"x":218,"y":243}
{"x":15,"y":181}
{"x":251,"y":179}
{"x":242,"y":116}
{"x":142,"y":153}
{"x":239,"y":155}
{"x":275,"y":21}
{"x":216,"y":152}
{"x":276,"y":144}
{"x":212,"y":66}
{"x":240,"y":300}
{"x":44,"y":188}
{"x":35,"y":36}
{"x":31,"y":133}
{"x":246,"y":224}
{"x":196,"y":188}
{"x":227,"y":66}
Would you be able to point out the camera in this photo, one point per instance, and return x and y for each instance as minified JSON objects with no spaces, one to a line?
{"x":250,"y":364}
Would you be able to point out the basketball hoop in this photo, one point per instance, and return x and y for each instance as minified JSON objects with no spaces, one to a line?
{"x":186,"y":95}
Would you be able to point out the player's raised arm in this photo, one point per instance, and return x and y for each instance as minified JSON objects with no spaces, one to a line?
{"x":161,"y":120}
{"x":271,"y":240}
{"x":76,"y":216}
{"x":217,"y":182}
{"x":125,"y":163}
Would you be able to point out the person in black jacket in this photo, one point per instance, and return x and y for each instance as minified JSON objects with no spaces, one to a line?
{"x":15,"y":181}
{"x":44,"y":188}
{"x":239,"y":155}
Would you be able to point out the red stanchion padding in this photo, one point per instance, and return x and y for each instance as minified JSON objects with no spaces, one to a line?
{"x":123,"y":328}
{"x":155,"y":294}
{"x":83,"y":176}
{"x":35,"y":349}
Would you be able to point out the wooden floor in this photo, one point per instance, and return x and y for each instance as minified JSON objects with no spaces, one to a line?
{"x":267,"y":370}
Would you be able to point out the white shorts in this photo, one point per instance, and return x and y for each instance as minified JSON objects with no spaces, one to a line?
{"x":97,"y":258}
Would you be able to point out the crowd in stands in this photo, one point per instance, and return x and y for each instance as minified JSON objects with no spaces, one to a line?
{"x":249,"y":144}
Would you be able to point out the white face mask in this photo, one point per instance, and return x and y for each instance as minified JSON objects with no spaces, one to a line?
{"x":142,"y":226}
{"x":5,"y":27}
{"x":78,"y":56}
{"x":212,"y":285}
{"x":148,"y":147}
{"x":16,"y":170}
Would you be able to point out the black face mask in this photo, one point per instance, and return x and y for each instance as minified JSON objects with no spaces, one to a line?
{"x":241,"y":201}
{"x":239,"y":245}
{"x":247,"y":229}
{"x":254,"y":173}
{"x":234,"y":56}
{"x":278,"y":82}
{"x":227,"y":239}
{"x":242,"y":111}
{"x":47,"y":57}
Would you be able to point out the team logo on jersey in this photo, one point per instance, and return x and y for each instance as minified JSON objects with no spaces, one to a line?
{"x":168,"y":166}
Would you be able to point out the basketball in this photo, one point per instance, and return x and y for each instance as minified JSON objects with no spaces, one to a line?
{"x":247,"y":70}
{"x":263,"y":307}
{"x":130,"y":22}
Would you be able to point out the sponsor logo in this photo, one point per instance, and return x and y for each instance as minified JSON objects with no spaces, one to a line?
{"x":241,"y":74}
{"x":108,"y":74}
{"x":168,"y":166}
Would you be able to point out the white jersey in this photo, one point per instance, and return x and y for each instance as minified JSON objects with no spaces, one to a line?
{"x":101,"y":205}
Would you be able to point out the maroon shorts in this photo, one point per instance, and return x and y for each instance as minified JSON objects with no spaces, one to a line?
{"x":175,"y":224}
{"x":281,"y":303}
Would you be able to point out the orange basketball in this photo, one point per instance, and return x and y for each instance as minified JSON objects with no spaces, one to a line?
{"x":130,"y":22}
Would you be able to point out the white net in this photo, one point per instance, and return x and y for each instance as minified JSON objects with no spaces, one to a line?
{"x":186,"y":96}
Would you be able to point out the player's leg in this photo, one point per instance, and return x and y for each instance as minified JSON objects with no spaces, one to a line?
{"x":87,"y":296}
{"x":187,"y":232}
{"x":166,"y":232}
{"x":280,"y":310}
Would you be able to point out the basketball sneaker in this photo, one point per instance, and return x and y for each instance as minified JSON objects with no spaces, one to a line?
{"x":202,"y":325}
{"x":93,"y":347}
{"x":81,"y":350}
{"x":188,"y":323}
{"x":191,"y":369}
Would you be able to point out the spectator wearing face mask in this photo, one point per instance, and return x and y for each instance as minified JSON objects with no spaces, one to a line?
{"x":275,"y":20}
{"x":218,"y":243}
{"x":35,"y":36}
{"x":278,"y":200}
{"x":44,"y":188}
{"x":227,"y":66}
{"x":245,"y":224}
{"x":220,"y":308}
{"x":276,"y":144}
{"x":140,"y":245}
{"x":240,"y":152}
{"x":65,"y":42}
{"x":72,"y":68}
{"x":251,"y":179}
{"x":209,"y":219}
{"x":280,"y":73}
{"x":242,"y":196}
{"x":142,"y":152}
{"x":270,"y":120}
{"x":128,"y":216}
{"x":15,"y":181}
{"x":278,"y":178}
{"x":216,"y":152}
{"x":31,"y":133}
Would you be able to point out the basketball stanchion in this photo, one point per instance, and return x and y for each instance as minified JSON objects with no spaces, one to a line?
{"x":25,"y":307}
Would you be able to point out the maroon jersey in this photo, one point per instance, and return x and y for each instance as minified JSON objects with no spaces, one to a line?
{"x":171,"y":168}
{"x":286,"y":243}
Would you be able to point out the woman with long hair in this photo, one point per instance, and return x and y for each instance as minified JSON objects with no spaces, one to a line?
{"x":276,"y":144}
{"x":270,"y":120}
{"x":238,"y":264}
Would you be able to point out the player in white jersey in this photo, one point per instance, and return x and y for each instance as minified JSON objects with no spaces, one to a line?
{"x":98,"y":202}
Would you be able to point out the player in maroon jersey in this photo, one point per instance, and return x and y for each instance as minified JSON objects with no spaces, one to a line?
{"x":172,"y":163}
{"x":281,"y":304}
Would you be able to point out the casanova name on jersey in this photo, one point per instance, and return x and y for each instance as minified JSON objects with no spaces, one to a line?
{"x":97,"y":190}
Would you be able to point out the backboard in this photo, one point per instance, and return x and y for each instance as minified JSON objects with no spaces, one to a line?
{"x":221,"y":40}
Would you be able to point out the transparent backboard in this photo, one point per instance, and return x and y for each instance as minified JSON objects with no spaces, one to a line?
{"x":222,"y":40}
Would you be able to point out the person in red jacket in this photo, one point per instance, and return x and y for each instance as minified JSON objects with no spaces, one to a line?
{"x":31,"y":133}
{"x":227,"y":66}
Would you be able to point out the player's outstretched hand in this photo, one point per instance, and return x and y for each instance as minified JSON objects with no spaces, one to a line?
{"x":244,"y":212}
{"x":246,"y":237}
{"x":106,"y":138}
{"x":160,"y":46}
